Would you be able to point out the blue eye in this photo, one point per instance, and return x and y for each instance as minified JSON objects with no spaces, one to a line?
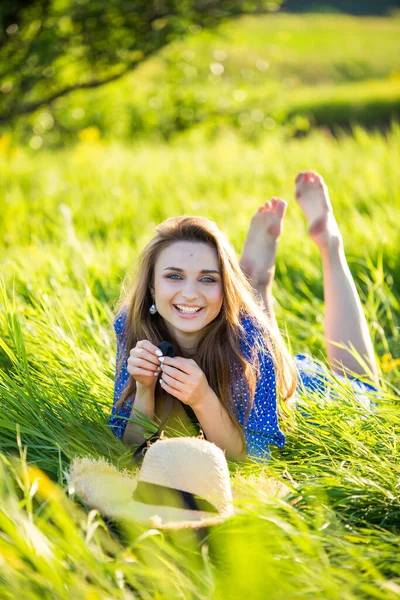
{"x":173,"y":275}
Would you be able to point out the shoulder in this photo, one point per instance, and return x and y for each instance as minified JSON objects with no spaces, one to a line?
{"x":120,"y":322}
{"x":250,"y":327}
{"x":251,"y":336}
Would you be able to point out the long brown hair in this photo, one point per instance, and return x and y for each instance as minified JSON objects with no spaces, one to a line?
{"x":218,"y":351}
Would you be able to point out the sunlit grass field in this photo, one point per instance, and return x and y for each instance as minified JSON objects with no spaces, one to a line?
{"x":321,"y":520}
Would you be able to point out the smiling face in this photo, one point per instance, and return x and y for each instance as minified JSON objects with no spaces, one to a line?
{"x":188,"y":289}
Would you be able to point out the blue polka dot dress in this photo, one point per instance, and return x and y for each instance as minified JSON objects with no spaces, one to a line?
{"x":261,"y":429}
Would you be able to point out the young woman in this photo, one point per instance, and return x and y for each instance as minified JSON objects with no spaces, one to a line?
{"x":230,"y":363}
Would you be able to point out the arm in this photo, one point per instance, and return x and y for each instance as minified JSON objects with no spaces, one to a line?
{"x":116,"y":423}
{"x":183,"y":378}
{"x":262,"y":427}
{"x":218,"y":426}
{"x":145,"y":404}
{"x":128,"y":432}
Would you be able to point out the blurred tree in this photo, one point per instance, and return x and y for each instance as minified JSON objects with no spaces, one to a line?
{"x":49,"y":48}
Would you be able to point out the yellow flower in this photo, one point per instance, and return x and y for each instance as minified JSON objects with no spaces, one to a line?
{"x":43,"y":485}
{"x":89,"y":134}
{"x":388,"y":363}
{"x":5,"y":143}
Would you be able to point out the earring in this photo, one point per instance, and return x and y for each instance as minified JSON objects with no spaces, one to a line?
{"x":153,"y":309}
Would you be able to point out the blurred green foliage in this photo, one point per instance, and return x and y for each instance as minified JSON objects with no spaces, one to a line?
{"x":49,"y":48}
{"x":254,"y":74}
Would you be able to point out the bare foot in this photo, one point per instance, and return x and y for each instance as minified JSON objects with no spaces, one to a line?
{"x":313,"y":198}
{"x":259,"y":251}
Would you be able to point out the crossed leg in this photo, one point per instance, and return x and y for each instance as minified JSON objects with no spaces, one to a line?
{"x":259,"y":251}
{"x":345,"y":324}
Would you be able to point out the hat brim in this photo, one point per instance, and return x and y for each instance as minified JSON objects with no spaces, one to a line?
{"x":102,"y":486}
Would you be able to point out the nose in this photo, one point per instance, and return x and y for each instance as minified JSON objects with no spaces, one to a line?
{"x":189,"y":291}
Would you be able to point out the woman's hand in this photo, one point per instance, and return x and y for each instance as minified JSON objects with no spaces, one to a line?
{"x":183,"y":378}
{"x":144,"y":363}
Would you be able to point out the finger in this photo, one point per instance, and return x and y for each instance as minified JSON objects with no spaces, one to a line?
{"x":146,"y":345}
{"x":174,"y":373}
{"x":183,"y":364}
{"x":144,"y":354}
{"x":143,"y":372}
{"x":173,"y":383}
{"x":143,"y":364}
{"x":165,"y":386}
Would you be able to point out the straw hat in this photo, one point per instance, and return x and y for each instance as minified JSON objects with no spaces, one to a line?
{"x":183,"y":483}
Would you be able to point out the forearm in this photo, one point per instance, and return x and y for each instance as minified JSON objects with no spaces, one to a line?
{"x":145,"y":404}
{"x":218,"y":427}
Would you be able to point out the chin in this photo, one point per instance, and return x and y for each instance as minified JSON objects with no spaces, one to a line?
{"x":189,"y":325}
{"x":192,"y":327}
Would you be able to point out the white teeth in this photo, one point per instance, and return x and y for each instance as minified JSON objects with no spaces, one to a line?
{"x":186,"y":309}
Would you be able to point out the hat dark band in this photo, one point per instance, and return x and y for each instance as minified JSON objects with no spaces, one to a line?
{"x":160,"y":495}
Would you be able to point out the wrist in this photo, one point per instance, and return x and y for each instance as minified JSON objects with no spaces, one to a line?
{"x":200,"y":407}
{"x":144,"y":400}
{"x":142,"y":390}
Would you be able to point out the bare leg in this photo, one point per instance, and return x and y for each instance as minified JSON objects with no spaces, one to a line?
{"x":345,"y":322}
{"x":259,"y":251}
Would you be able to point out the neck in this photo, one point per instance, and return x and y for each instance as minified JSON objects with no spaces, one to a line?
{"x":187,"y":341}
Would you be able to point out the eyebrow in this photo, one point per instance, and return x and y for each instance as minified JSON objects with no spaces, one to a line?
{"x":182,"y":270}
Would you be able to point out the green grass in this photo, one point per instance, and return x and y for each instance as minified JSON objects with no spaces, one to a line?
{"x":312,"y":48}
{"x":73,"y":222}
{"x":373,"y":103}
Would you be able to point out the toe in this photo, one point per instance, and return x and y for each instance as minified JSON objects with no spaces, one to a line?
{"x":309,"y":177}
{"x":281,"y":207}
{"x":313,"y":177}
{"x":300,"y":176}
